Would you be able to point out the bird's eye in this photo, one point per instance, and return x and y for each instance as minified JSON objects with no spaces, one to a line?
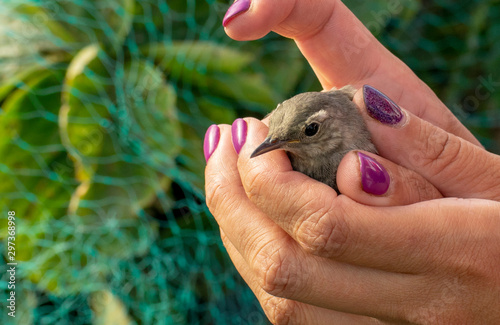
{"x":311,"y":129}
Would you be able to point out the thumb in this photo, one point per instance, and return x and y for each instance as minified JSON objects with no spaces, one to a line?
{"x":328,"y":34}
{"x":456,"y":167}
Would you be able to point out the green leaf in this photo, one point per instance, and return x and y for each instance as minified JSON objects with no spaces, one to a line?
{"x":95,"y":126}
{"x":36,"y":176}
{"x":152,"y":118}
{"x":214,"y":68}
{"x":285,"y":73}
{"x":249,"y":89}
{"x":84,"y":119}
{"x":31,"y":178}
{"x":118,"y":15}
{"x":185,"y":57}
{"x":119,"y":124}
{"x":19,"y":79}
{"x":216,"y":109}
{"x":45,"y":19}
{"x":115,"y":181}
{"x":74,"y":24}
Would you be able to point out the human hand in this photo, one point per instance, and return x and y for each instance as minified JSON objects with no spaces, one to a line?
{"x":341,"y":51}
{"x":332,"y":259}
{"x":312,"y":257}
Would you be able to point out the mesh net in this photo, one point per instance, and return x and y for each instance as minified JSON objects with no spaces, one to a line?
{"x":104,"y":105}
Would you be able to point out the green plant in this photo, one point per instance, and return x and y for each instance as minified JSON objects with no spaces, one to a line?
{"x":103,"y":117}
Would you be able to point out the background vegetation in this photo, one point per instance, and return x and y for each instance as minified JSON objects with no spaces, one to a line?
{"x":104,"y":105}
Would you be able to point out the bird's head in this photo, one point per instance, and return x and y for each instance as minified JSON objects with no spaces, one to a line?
{"x":312,"y":124}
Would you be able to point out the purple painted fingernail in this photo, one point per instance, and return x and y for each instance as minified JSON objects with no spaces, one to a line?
{"x":239,"y":133}
{"x":211,"y":141}
{"x":237,"y":8}
{"x":374,"y":178}
{"x":381,"y":107}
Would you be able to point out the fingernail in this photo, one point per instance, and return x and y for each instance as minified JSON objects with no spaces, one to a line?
{"x":237,"y":8}
{"x":381,"y":107}
{"x":211,"y":141}
{"x":239,"y":134}
{"x":374,"y":178}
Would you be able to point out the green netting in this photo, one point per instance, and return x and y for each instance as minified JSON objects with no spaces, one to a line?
{"x":104,"y":104}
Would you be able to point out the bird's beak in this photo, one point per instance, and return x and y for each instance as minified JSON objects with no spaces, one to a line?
{"x":268,"y":145}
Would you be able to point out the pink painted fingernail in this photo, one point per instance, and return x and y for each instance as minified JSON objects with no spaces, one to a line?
{"x":237,"y":8}
{"x":374,"y":178}
{"x":239,"y":133}
{"x":211,"y":141}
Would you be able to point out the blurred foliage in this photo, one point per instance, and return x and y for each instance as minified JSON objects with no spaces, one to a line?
{"x":104,"y":105}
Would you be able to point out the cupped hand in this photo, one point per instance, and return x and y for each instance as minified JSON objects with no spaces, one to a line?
{"x":341,"y":51}
{"x":312,"y":257}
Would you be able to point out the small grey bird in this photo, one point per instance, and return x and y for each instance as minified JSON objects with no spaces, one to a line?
{"x":317,"y":129}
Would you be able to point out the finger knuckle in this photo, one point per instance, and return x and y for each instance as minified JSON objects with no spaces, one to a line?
{"x":281,"y":311}
{"x":417,"y":189}
{"x":275,"y":267}
{"x":294,"y":28}
{"x":255,"y":180}
{"x":218,"y":196}
{"x":324,"y":233}
{"x":439,"y":151}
